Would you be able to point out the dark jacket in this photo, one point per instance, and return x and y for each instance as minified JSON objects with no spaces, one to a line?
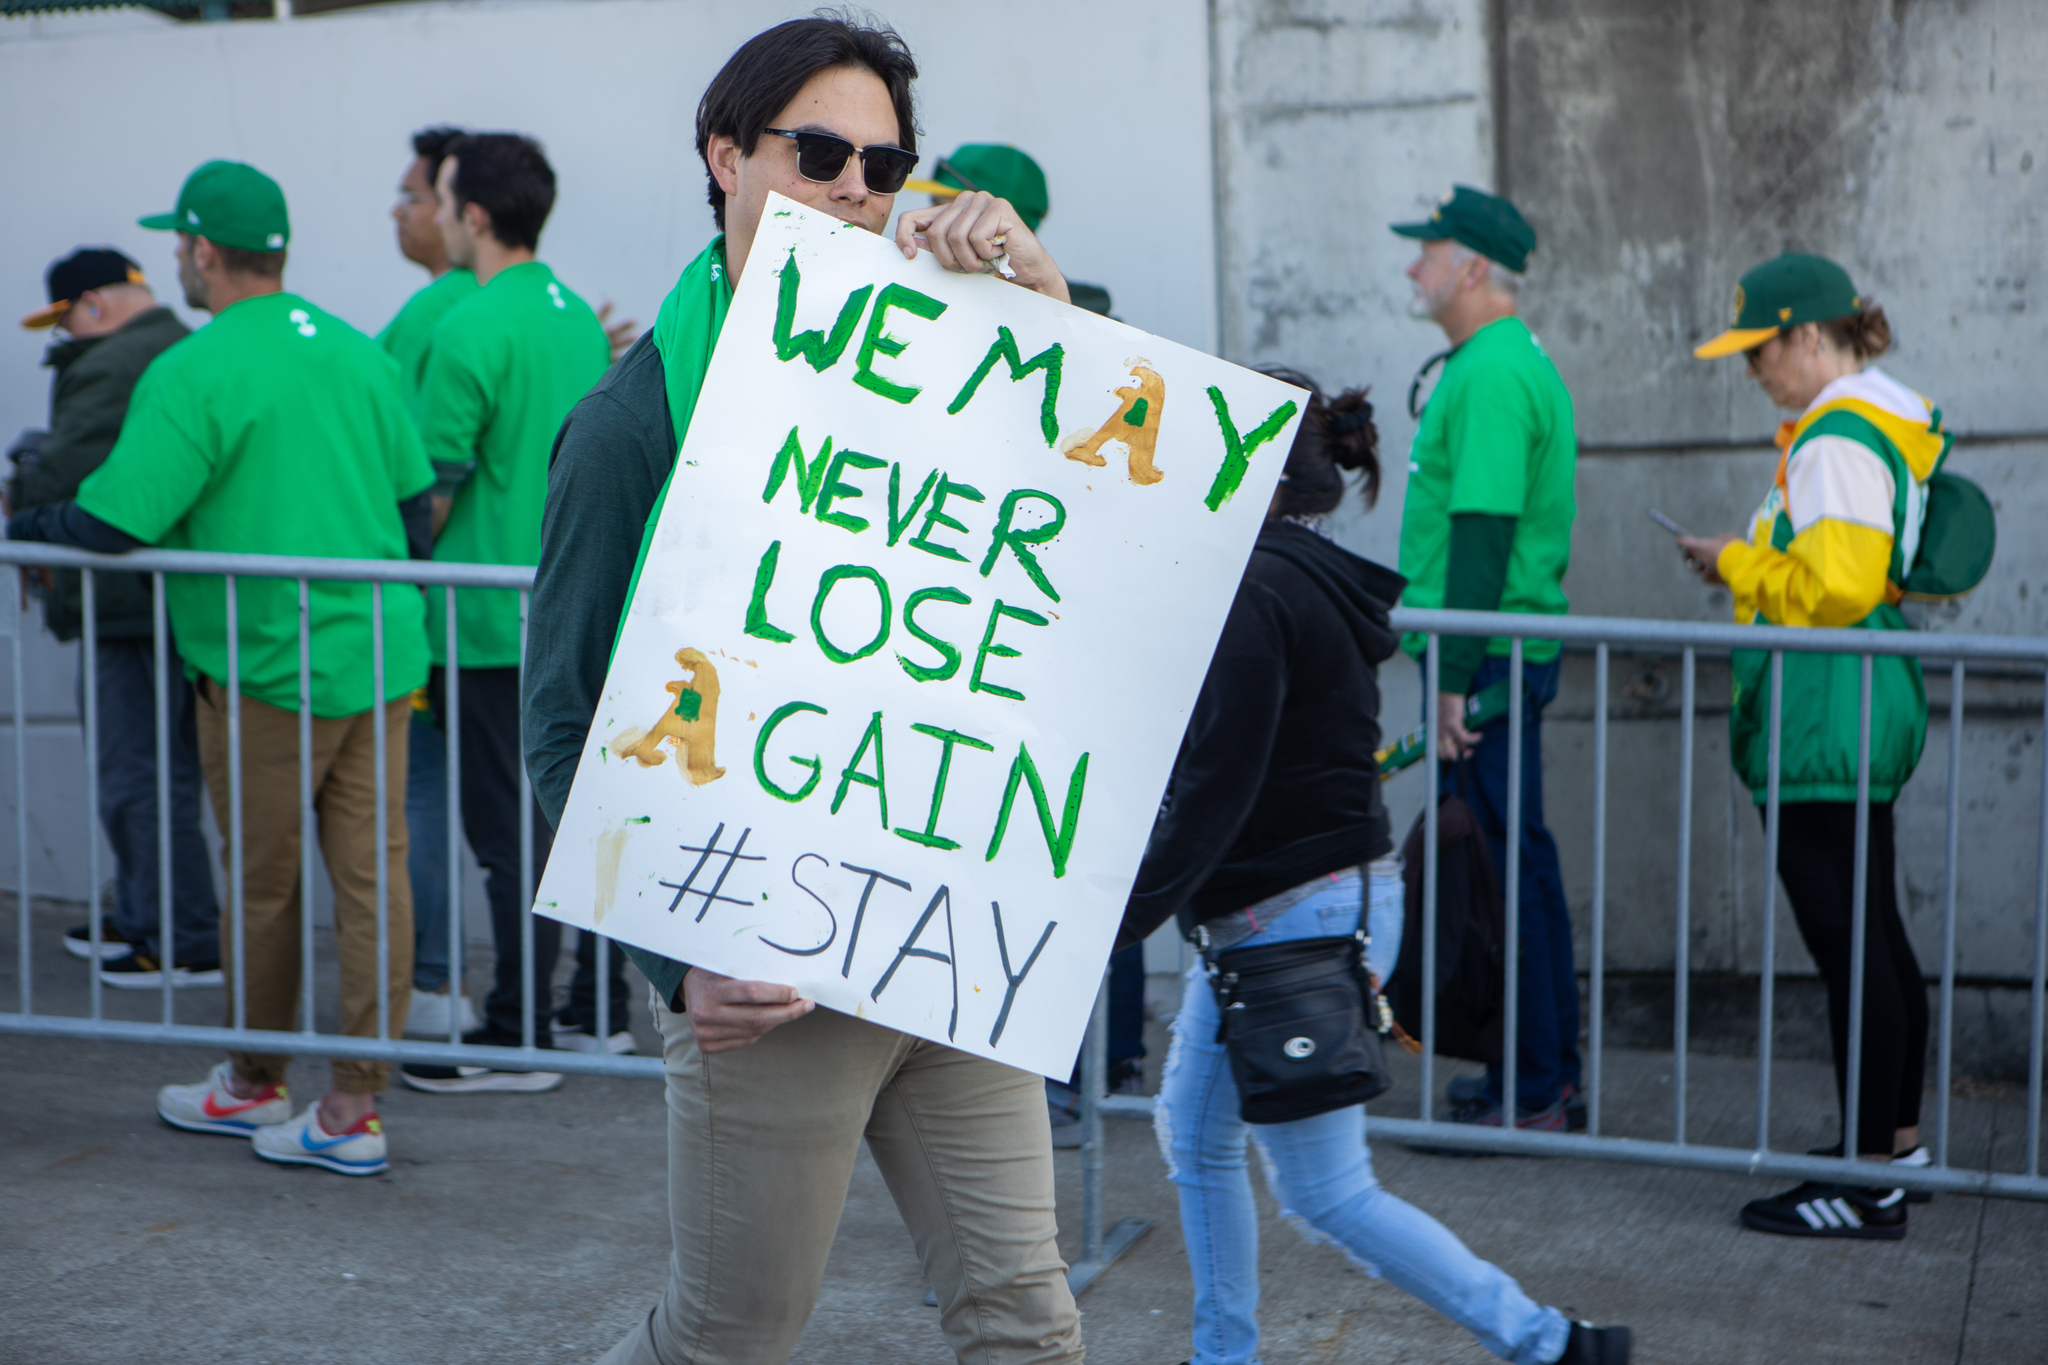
{"x":89,"y":392}
{"x":1276,"y":782}
{"x":610,"y":460}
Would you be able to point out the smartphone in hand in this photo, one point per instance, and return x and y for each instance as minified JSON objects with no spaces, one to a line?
{"x":1667,"y":523}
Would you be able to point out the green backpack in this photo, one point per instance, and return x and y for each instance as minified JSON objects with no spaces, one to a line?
{"x":1958,"y":536}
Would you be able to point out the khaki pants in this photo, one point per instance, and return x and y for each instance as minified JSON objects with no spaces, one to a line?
{"x":345,"y":802}
{"x":761,"y":1145}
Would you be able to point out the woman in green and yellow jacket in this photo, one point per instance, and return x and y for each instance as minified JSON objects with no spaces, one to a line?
{"x":1830,"y":546}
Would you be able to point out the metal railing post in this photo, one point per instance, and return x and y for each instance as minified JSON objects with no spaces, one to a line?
{"x":1094,"y":1076}
{"x":1433,"y":762}
{"x":89,"y":697}
{"x":167,"y":942}
{"x":1767,"y":977}
{"x":2037,"y":1004}
{"x":1859,"y":904}
{"x":1681,"y":996}
{"x":308,"y":832}
{"x":451,"y":721}
{"x":528,"y":1025}
{"x":237,"y":916}
{"x":1598,"y":990}
{"x":22,"y":902}
{"x":1944,"y":1054}
{"x":378,"y":736}
{"x":1511,"y":1036}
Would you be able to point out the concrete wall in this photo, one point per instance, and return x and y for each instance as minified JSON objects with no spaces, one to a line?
{"x":1660,"y":150}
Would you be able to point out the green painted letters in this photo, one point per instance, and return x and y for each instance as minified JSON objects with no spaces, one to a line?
{"x":937,"y":517}
{"x":947,"y":653}
{"x":910,"y":301}
{"x":1237,"y":451}
{"x":829,"y":580}
{"x":835,"y":488}
{"x":929,"y":836}
{"x":821,"y":351}
{"x":1017,"y":540}
{"x":899,"y":524}
{"x":988,"y":647}
{"x":758,"y":624}
{"x":1005,"y":349}
{"x":851,"y":773}
{"x":781,"y":714}
{"x":1059,"y":841}
{"x":808,"y":477}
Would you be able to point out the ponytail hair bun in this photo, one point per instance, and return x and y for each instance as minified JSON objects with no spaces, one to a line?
{"x":1335,"y":434}
{"x":1865,"y":333}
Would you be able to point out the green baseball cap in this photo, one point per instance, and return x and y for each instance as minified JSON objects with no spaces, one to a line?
{"x":1783,"y":293}
{"x":1486,"y":223}
{"x":230,"y":204}
{"x":1002,"y":171}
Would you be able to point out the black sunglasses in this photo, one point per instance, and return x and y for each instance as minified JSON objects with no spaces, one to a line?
{"x":820,"y":157}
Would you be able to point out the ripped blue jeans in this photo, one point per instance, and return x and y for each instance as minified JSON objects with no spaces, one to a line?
{"x":1320,"y":1171}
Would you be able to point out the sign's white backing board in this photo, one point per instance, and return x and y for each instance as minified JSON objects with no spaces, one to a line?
{"x":929,"y":600}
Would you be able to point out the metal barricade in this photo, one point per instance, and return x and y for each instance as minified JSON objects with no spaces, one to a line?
{"x":1686,"y":640}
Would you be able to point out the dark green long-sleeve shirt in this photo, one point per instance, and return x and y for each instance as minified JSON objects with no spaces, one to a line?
{"x":93,"y":378}
{"x":610,"y":460}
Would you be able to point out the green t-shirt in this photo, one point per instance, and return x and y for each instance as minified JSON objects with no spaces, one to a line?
{"x":507,"y":364}
{"x":1496,"y":438}
{"x":408,"y":336}
{"x":275,"y":429}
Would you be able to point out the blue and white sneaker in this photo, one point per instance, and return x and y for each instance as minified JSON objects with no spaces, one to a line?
{"x":303,"y":1142}
{"x":210,"y":1107}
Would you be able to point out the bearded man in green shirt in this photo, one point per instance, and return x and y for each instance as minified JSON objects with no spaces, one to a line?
{"x":279,"y":429}
{"x":1486,"y":526}
{"x":503,"y":369}
{"x":768,"y":1098}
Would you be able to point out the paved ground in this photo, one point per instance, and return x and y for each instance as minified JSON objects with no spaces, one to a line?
{"x":530,"y":1228}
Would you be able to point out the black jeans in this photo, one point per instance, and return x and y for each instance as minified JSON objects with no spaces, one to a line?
{"x":1817,"y":863}
{"x":126,"y":692}
{"x":490,"y":757}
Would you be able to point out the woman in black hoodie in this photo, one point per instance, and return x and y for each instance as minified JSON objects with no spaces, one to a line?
{"x":1272,"y":815}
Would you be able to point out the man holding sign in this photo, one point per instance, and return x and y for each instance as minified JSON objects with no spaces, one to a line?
{"x":762,"y":1140}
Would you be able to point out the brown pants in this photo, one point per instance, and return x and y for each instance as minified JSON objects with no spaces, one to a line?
{"x":344,"y":757}
{"x":761,"y":1146}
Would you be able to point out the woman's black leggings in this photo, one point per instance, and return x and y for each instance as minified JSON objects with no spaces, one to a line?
{"x":1817,"y":863}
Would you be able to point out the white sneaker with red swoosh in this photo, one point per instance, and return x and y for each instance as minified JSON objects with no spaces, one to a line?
{"x":303,"y":1142}
{"x":210,"y":1107}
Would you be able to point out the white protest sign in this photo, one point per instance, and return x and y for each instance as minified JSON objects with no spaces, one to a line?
{"x":932,"y":594}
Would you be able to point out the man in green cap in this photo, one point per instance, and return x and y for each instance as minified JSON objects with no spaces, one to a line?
{"x":506,"y":365}
{"x":279,"y":429}
{"x":1487,"y":526}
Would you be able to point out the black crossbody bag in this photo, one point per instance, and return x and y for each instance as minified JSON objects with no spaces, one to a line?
{"x":1303,"y":1023}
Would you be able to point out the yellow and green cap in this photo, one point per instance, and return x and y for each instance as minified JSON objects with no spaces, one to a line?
{"x":1002,"y":171}
{"x":1486,"y":223}
{"x":1780,"y":294}
{"x":229,"y":204}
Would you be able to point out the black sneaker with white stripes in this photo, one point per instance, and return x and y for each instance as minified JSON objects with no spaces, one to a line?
{"x":1916,"y":1156}
{"x":1817,"y":1210}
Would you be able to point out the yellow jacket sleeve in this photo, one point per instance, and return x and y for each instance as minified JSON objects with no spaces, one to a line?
{"x":1834,"y":573}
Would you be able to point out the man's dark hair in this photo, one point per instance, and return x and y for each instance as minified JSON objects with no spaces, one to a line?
{"x":431,"y":146}
{"x":765,"y":74}
{"x":507,"y":176}
{"x":267,"y":265}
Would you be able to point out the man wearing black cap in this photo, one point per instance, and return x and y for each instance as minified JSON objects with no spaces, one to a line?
{"x":99,"y":297}
{"x":1487,"y":526}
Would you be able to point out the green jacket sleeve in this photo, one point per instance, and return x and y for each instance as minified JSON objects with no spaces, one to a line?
{"x":1474,"y":579}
